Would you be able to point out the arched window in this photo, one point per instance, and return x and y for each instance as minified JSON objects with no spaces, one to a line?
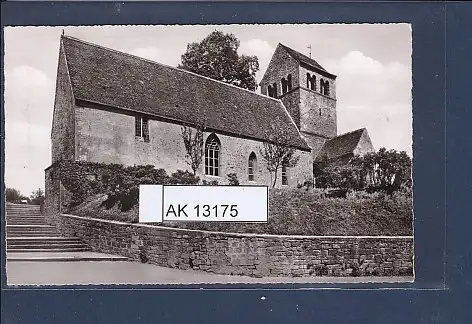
{"x":322,"y":86}
{"x":284,"y":86}
{"x":212,"y":155}
{"x":251,"y":166}
{"x":326,"y":91}
{"x":275,"y":92}
{"x":310,"y":81}
{"x":289,"y":82}
{"x":270,"y":91}
{"x":284,"y":175}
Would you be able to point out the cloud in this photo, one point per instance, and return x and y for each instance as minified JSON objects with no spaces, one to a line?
{"x":29,"y":95}
{"x":257,"y":47}
{"x":27,"y":77}
{"x":260,"y":48}
{"x":374,"y":95}
{"x":27,"y":154}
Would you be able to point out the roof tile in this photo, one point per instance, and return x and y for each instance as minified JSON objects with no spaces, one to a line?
{"x":121,"y":80}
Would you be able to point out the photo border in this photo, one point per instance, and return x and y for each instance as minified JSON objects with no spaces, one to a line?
{"x":428,"y":21}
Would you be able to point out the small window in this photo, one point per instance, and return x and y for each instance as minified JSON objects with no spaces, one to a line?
{"x":284,"y":175}
{"x":289,"y":82}
{"x":308,"y":80}
{"x":251,"y":166}
{"x":326,"y":91}
{"x":142,"y":128}
{"x":270,"y":92}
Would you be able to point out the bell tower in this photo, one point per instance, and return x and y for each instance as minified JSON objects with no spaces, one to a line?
{"x":308,"y":92}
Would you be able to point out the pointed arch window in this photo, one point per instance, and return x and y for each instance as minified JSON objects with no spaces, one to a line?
{"x":212,"y":155}
{"x":251,"y":166}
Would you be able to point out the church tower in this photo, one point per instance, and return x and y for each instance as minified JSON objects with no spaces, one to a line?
{"x":308,"y":92}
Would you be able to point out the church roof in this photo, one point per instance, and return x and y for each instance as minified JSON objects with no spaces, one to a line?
{"x":305,"y":59}
{"x":108,"y":77}
{"x":340,"y":145}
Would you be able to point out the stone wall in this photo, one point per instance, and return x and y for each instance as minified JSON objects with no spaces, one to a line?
{"x":62,"y":134}
{"x":280,"y":66}
{"x":245,"y":254}
{"x":108,"y":137}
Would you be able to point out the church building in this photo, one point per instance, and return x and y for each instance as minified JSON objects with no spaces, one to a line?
{"x":113,"y":107}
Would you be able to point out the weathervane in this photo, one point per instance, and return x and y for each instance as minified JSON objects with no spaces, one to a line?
{"x":309,"y":47}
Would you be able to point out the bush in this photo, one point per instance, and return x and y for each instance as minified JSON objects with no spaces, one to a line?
{"x":233,"y":179}
{"x":210,"y":183}
{"x":184,"y":177}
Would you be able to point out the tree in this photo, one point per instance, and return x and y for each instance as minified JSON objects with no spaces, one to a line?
{"x":12,"y":195}
{"x":388,"y":171}
{"x":193,"y":141}
{"x":278,"y":152}
{"x":37,"y":197}
{"x":383,"y":171}
{"x":216,"y":57}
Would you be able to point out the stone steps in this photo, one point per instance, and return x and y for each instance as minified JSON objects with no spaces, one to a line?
{"x":27,"y":231}
{"x":30,"y":238}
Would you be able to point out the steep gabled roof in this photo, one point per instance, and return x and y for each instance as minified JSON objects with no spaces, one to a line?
{"x":116,"y":79}
{"x":340,"y":145}
{"x":305,"y":59}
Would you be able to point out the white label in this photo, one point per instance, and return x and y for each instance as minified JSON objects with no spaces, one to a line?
{"x":150,"y":203}
{"x":204,"y":204}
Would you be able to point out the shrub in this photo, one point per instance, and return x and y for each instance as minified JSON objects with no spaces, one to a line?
{"x":210,"y":183}
{"x":233,"y":179}
{"x":183,"y":177}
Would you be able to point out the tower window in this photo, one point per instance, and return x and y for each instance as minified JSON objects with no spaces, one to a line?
{"x":141,"y":127}
{"x":322,"y":86}
{"x":284,"y":86}
{"x":326,"y":91}
{"x":270,"y":91}
{"x":310,"y":81}
{"x":212,"y":155}
{"x":274,"y":91}
{"x":251,"y":167}
{"x":284,"y":175}
{"x":289,"y":82}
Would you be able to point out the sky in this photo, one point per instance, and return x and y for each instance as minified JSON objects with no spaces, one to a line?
{"x":372,"y":62}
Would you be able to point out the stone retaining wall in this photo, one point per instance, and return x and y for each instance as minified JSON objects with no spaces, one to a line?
{"x":245,"y":254}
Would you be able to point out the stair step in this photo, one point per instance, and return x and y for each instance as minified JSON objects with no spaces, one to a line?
{"x":60,"y":246}
{"x":49,"y":250}
{"x":35,"y":234}
{"x":55,"y":239}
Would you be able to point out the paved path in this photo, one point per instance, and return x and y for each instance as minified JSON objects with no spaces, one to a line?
{"x":125,"y":272}
{"x":63,"y":256}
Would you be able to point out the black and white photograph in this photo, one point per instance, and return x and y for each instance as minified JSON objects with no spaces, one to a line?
{"x":318,"y":116}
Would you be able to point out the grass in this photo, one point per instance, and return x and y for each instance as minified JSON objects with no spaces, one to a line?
{"x":297,"y":212}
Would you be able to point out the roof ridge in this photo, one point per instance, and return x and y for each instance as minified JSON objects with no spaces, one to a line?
{"x":165,"y":65}
{"x":350,"y":132}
